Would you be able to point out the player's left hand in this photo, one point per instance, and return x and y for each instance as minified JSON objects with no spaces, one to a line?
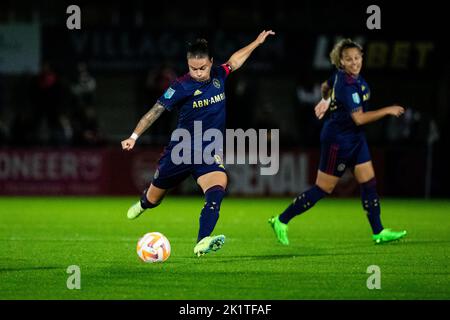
{"x":263,"y":35}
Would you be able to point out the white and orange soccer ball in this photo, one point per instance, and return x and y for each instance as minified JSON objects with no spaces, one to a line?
{"x":153,"y":247}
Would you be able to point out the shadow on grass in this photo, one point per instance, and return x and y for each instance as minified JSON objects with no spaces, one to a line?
{"x":30,"y":268}
{"x":409,"y":242}
{"x":276,"y":257}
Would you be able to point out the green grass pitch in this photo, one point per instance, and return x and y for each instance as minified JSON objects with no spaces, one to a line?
{"x":330,"y":250}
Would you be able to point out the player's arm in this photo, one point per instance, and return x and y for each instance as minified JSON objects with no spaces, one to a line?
{"x":239,"y":57}
{"x":325,"y":89}
{"x":321,"y":108}
{"x":360,"y":117}
{"x":146,"y":121}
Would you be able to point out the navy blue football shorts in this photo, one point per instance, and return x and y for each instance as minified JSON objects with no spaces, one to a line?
{"x":336,"y":157}
{"x":169,"y":175}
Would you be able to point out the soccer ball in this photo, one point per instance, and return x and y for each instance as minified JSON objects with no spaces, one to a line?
{"x":153,"y":247}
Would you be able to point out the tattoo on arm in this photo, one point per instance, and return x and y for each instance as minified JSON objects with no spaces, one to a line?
{"x":148,"y":119}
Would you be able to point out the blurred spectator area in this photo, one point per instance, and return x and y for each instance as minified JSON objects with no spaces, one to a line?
{"x":109,"y":73}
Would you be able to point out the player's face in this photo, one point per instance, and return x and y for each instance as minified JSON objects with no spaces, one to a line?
{"x":351,"y":61}
{"x":200,"y":68}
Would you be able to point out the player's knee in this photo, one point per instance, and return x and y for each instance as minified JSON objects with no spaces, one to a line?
{"x":215,"y":192}
{"x":224,"y":185}
{"x":369,"y":189}
{"x":326,"y":187}
{"x":220,"y":182}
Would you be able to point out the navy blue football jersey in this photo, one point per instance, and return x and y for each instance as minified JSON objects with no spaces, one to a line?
{"x":198,"y":101}
{"x":348,"y":94}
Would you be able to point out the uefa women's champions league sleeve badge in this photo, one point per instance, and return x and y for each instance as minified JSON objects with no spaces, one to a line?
{"x":356,"y":98}
{"x":169,"y":93}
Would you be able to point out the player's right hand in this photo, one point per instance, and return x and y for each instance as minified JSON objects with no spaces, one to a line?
{"x":396,"y":111}
{"x":128,"y":144}
{"x":263,"y":35}
{"x":321,"y":108}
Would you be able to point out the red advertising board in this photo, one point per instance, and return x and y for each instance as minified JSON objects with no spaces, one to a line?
{"x":111,"y":171}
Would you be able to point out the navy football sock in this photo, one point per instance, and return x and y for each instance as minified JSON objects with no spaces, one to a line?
{"x":371,"y":204}
{"x":145,"y":203}
{"x":210,"y":212}
{"x":302,"y":203}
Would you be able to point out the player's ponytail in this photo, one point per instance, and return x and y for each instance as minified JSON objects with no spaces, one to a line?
{"x":339,"y":47}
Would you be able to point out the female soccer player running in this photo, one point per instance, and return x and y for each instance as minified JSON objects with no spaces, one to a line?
{"x":199,"y":96}
{"x":343,"y":143}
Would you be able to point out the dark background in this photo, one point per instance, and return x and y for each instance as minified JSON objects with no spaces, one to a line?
{"x":133,"y":49}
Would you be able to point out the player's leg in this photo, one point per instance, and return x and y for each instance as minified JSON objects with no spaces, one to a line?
{"x":365,"y":175}
{"x":150,"y":198}
{"x":325,"y":185}
{"x":167,"y":176}
{"x":331,"y":168}
{"x":213,"y":185}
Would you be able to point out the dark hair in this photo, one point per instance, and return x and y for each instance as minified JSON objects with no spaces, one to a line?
{"x":198,"y":49}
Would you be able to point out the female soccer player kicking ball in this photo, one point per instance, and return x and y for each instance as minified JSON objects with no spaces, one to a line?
{"x":199,"y":96}
{"x":343,"y":142}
